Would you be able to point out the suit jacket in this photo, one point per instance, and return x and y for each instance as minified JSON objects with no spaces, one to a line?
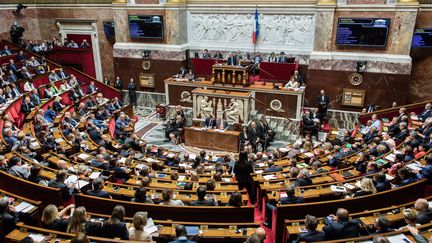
{"x":35,"y":99}
{"x":203,"y":203}
{"x":210,"y":122}
{"x":53,"y":77}
{"x":282,"y":59}
{"x":424,"y":217}
{"x":62,"y":75}
{"x":99,"y":193}
{"x":312,"y":236}
{"x":57,"y":107}
{"x":9,"y":221}
{"x":341,"y":229}
{"x":303,"y":182}
{"x":291,"y":200}
{"x":232,"y":61}
{"x":383,"y":186}
{"x":273,"y":168}
{"x":65,"y":191}
{"x":91,"y":89}
{"x":253,"y":135}
{"x":26,"y":107}
{"x":323,"y":100}
{"x":118,"y":84}
{"x":425,"y":114}
{"x":119,"y":230}
{"x":182,"y":239}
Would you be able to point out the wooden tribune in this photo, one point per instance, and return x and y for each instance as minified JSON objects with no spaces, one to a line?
{"x":227,"y":74}
{"x":212,"y":139}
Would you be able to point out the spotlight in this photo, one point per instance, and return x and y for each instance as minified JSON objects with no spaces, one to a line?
{"x":361,"y":66}
{"x":146,"y":54}
{"x":18,"y":9}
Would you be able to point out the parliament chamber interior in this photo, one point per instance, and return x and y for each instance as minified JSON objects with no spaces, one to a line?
{"x":269,"y":121}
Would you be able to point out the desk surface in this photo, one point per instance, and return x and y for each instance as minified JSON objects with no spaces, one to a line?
{"x":212,"y":139}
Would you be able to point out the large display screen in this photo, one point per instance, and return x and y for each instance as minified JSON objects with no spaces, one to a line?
{"x":149,"y":26}
{"x":422,"y":38}
{"x":371,"y":32}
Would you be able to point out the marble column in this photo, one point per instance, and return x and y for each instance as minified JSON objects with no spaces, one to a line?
{"x":403,"y":29}
{"x":324,"y":18}
{"x":176,"y":26}
{"x":121,"y":24}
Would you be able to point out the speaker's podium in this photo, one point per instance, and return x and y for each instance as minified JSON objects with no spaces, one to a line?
{"x":230,"y":75}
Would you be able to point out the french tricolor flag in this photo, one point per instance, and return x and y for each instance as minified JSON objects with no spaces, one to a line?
{"x":255,"y":33}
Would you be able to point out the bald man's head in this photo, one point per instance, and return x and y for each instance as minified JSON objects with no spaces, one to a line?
{"x":342,"y":214}
{"x":421,"y":205}
{"x":260,"y":232}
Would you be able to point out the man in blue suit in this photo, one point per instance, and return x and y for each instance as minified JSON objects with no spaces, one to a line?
{"x":181,"y":235}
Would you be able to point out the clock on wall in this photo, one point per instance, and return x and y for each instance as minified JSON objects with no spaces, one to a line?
{"x":355,"y":79}
{"x":146,"y":65}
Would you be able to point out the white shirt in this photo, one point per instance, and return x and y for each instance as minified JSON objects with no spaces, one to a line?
{"x":28,"y":87}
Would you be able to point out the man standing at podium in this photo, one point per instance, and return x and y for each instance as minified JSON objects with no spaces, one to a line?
{"x":232,"y":60}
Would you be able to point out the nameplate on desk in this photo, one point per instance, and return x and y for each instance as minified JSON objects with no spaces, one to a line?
{"x":218,"y":130}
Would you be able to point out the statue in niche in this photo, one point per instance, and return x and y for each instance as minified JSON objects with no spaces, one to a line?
{"x":234,"y":111}
{"x":206,"y":107}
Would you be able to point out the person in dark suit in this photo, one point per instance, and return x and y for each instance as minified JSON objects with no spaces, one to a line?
{"x":8,"y":215}
{"x":381,"y":183}
{"x":181,"y":235}
{"x":210,"y":122}
{"x":282,"y":58}
{"x":254,"y":136}
{"x":426,"y":113}
{"x":340,"y":227}
{"x":312,"y":235}
{"x":323,"y":102}
{"x":303,"y":178}
{"x":21,"y":56}
{"x":244,"y":137}
{"x":201,"y":201}
{"x":426,"y":172}
{"x":291,"y":198}
{"x":176,"y":129}
{"x":66,"y":190}
{"x":183,"y":72}
{"x":12,"y":77}
{"x":115,"y":227}
{"x":309,"y":124}
{"x":34,"y":97}
{"x":272,"y":167}
{"x":118,"y":83}
{"x":91,"y":88}
{"x":424,"y":213}
{"x":132,"y":92}
{"x":298,"y":77}
{"x":26,"y":106}
{"x":57,"y":105}
{"x":98,"y":185}
{"x":242,"y":170}
{"x":206,"y":54}
{"x":232,"y":60}
{"x":403,"y":132}
{"x":265,"y":132}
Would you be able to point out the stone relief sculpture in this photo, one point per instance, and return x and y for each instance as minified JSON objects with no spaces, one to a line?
{"x":290,"y":30}
{"x":206,"y":107}
{"x":234,"y":111}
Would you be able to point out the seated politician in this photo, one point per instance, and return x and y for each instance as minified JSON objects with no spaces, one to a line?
{"x":190,"y":76}
{"x":232,"y":60}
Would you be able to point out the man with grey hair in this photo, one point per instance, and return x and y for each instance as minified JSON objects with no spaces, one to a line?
{"x":3,"y":163}
{"x":303,"y":178}
{"x":8,"y":215}
{"x":424,"y":214}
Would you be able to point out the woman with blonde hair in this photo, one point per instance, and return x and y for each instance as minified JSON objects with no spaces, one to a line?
{"x":137,"y":231}
{"x":54,"y":220}
{"x":367,"y":187}
{"x":79,"y":223}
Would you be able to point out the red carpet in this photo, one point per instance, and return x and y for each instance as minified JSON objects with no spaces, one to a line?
{"x":269,"y":233}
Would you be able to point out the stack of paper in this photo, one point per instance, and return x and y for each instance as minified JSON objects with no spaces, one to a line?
{"x":269,"y":177}
{"x":150,"y":227}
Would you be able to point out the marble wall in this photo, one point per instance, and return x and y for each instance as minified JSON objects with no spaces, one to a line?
{"x":421,"y":75}
{"x":40,"y":24}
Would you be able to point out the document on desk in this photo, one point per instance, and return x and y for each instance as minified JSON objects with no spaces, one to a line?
{"x":150,"y":227}
{"x":24,"y":207}
{"x":219,"y":130}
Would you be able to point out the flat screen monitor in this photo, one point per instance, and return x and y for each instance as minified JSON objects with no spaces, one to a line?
{"x":109,"y":28}
{"x":146,"y":26}
{"x":372,"y":32}
{"x":422,"y":38}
